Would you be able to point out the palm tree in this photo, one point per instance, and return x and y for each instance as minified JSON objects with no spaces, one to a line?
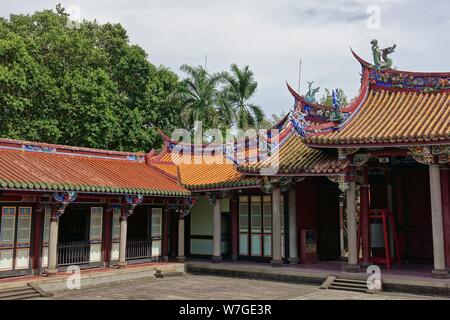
{"x":199,"y":97}
{"x":241,"y":87}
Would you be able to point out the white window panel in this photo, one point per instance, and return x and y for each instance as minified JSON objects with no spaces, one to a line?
{"x":115,"y":251}
{"x":46,"y":235}
{"x":44,"y":257}
{"x":95,"y":254}
{"x":24,"y":227}
{"x":6,"y":259}
{"x":22,"y":258}
{"x":95,"y":232}
{"x":8,"y":226}
{"x":156,"y":222}
{"x":116,"y":224}
{"x":156,"y":248}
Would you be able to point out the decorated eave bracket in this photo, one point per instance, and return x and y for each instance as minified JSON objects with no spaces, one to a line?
{"x":269,"y":183}
{"x":182,"y":206}
{"x":132,"y":201}
{"x":213,"y":196}
{"x":63,"y":199}
{"x":437,"y":154}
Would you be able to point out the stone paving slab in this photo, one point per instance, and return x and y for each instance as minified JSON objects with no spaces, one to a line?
{"x":391,"y":282}
{"x":202,"y":287}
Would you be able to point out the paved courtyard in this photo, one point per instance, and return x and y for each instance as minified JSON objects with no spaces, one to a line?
{"x":202,"y":287}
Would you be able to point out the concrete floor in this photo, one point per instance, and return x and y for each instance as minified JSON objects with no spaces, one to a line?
{"x":203,"y":287}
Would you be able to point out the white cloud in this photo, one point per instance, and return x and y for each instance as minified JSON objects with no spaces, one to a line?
{"x":272,"y":36}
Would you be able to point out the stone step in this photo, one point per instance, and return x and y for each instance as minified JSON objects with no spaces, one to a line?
{"x":347,"y":288}
{"x":26,"y":296}
{"x":166,"y":274}
{"x":350,"y":285}
{"x":350,"y":281}
{"x":347,"y":284}
{"x":19,"y":293}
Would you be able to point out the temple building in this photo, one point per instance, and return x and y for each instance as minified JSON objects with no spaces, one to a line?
{"x":367,"y":182}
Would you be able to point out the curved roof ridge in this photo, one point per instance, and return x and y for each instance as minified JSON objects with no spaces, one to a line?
{"x":417,"y":73}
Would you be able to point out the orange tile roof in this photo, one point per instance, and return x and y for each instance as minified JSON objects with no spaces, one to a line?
{"x":35,"y":166}
{"x":294,"y":157}
{"x":205,"y":172}
{"x":389,"y":117}
{"x":393,"y":108}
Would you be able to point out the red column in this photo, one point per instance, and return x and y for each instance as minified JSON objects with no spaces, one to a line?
{"x":165,"y":243}
{"x":445,"y":187}
{"x":107,"y":238}
{"x":234,"y":208}
{"x":364,"y":194}
{"x":174,"y":235}
{"x":37,"y":236}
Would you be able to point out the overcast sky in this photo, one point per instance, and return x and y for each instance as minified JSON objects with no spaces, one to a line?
{"x":271,"y":36}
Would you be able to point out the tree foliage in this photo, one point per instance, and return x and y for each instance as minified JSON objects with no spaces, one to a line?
{"x":327,"y":98}
{"x":85,"y":86}
{"x":240,"y":89}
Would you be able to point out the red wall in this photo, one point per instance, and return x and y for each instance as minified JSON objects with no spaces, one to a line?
{"x":445,"y":185}
{"x":317,"y":202}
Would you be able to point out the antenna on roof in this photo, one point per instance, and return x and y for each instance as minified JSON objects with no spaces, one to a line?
{"x":299,"y":75}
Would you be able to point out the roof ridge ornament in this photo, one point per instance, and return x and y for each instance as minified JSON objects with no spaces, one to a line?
{"x":311,"y":94}
{"x":380,"y":56}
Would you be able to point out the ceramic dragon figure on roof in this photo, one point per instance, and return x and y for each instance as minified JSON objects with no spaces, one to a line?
{"x":380,"y":56}
{"x":311,"y":94}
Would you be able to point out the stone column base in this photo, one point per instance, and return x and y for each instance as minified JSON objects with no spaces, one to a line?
{"x":234,"y":258}
{"x":353,"y":268}
{"x":440,"y":274}
{"x":216,"y":259}
{"x":365,"y":264}
{"x":50,"y":272}
{"x":165,"y":258}
{"x":181,"y":258}
{"x":276,"y":263}
{"x":121,"y":265}
{"x":293,"y":260}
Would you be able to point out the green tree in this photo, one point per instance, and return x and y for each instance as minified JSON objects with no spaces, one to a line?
{"x":240,"y":89}
{"x":327,"y":98}
{"x":199,"y":97}
{"x":85,"y":86}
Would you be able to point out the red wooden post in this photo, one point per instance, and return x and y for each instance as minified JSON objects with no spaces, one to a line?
{"x":445,"y":187}
{"x":234,"y":208}
{"x":364,"y":193}
{"x":107,"y":238}
{"x":39,"y":214}
{"x":174,"y":235}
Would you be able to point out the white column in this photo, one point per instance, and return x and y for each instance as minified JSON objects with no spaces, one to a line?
{"x":52,"y":247}
{"x":180,"y":256}
{"x":217,"y":241}
{"x":276,"y":227}
{"x":437,"y":220}
{"x":352,"y":229}
{"x":123,"y":242}
{"x":293,"y":253}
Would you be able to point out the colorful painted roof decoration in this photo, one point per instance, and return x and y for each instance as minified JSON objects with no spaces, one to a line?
{"x":393,"y":107}
{"x":201,"y":168}
{"x":35,"y":166}
{"x":290,"y":156}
